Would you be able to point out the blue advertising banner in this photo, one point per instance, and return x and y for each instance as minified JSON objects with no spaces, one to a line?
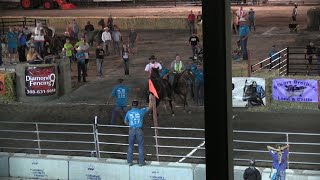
{"x":295,"y":90}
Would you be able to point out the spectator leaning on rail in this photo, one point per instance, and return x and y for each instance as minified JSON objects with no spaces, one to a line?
{"x":252,"y":173}
{"x":279,"y":161}
{"x":134,"y":118}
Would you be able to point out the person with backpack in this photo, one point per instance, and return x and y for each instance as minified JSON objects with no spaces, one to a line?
{"x":279,"y":156}
{"x":252,"y":173}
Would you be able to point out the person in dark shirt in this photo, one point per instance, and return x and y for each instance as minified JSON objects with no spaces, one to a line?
{"x":194,"y":43}
{"x":309,"y":52}
{"x":252,"y":173}
{"x":99,"y":60}
{"x":89,"y":33}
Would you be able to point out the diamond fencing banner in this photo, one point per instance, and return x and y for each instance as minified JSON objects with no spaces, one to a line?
{"x":248,"y":91}
{"x":295,"y":90}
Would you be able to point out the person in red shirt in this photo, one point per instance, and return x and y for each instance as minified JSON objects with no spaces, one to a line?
{"x":191,"y":21}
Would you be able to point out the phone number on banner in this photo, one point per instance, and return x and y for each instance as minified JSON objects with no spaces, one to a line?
{"x":41,"y":91}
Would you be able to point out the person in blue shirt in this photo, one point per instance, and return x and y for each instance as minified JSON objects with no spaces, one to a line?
{"x":273,"y":55}
{"x":120,"y":92}
{"x":12,"y":37}
{"x":199,"y":85}
{"x":80,"y":56}
{"x":244,"y":34}
{"x":164,"y":71}
{"x":279,"y":161}
{"x":22,"y":45}
{"x":134,"y":119}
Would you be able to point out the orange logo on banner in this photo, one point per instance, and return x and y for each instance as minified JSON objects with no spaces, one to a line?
{"x":152,"y":89}
{"x":2,"y":85}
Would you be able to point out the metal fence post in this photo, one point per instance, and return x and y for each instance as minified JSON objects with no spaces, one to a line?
{"x":287,"y":61}
{"x":38,"y":139}
{"x":96,"y":136}
{"x":287,"y":137}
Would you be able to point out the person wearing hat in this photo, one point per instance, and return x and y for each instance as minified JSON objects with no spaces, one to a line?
{"x":251,"y":17}
{"x":120,"y":92}
{"x":134,"y":119}
{"x":152,"y":64}
{"x":243,"y":35}
{"x":106,"y":39}
{"x":252,"y":173}
{"x":80,"y":56}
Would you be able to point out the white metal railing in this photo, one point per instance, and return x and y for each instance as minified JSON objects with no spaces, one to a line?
{"x":286,"y":140}
{"x":110,"y":140}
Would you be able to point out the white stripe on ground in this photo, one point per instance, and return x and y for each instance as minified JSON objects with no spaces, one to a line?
{"x":269,"y":31}
{"x":193,"y":151}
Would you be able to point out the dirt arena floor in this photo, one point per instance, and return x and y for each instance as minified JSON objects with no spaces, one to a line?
{"x":89,"y":99}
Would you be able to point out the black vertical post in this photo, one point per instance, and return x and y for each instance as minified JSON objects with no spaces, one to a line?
{"x":220,"y":135}
{"x":287,"y":61}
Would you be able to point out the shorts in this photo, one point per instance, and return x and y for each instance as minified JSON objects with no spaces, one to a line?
{"x":12,"y":50}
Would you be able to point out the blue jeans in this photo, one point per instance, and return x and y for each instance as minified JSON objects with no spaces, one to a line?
{"x":281,"y":175}
{"x":133,"y":135}
{"x":191,"y":27}
{"x":243,"y":44}
{"x":194,"y":50}
{"x":115,"y":113}
{"x":40,"y":48}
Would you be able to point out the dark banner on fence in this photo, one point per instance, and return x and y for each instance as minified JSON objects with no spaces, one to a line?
{"x":40,"y":81}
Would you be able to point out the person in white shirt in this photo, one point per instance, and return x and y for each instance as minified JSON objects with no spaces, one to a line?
{"x":152,"y":64}
{"x":106,"y":39}
{"x":39,"y":39}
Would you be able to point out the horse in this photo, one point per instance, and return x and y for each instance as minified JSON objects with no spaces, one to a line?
{"x":253,"y":93}
{"x":182,"y":85}
{"x":162,"y":87}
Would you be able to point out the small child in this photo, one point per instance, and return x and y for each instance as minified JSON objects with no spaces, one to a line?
{"x":80,"y":56}
{"x":99,"y":60}
{"x":236,"y":54}
{"x":68,"y":50}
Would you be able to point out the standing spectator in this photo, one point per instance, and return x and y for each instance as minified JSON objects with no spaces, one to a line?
{"x":68,"y":49}
{"x":1,"y":62}
{"x":194,"y":43}
{"x":252,"y":173}
{"x":12,"y":38}
{"x":110,"y":23}
{"x":244,"y":34}
{"x":279,"y":161}
{"x":99,"y":60}
{"x":81,"y":64}
{"x":121,"y":93}
{"x":199,"y":17}
{"x":191,"y":20}
{"x":273,"y":55}
{"x":85,"y":48}
{"x":240,"y":13}
{"x":116,"y":37}
{"x":69,"y":32}
{"x":102,"y":23}
{"x":39,"y":39}
{"x":125,"y":58}
{"x":132,"y":39}
{"x":89,"y":33}
{"x":75,"y":29}
{"x":294,"y":13}
{"x":199,"y":85}
{"x":252,"y":23}
{"x":309,"y":52}
{"x":22,"y":45}
{"x":134,"y":118}
{"x":106,"y":39}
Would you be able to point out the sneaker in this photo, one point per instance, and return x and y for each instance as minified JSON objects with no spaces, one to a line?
{"x":130,"y":164}
{"x":142,"y":164}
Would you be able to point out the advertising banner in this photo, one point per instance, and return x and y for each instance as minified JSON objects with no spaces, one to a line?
{"x":248,"y":91}
{"x":40,"y":81}
{"x":295,"y":90}
{"x":2,"y":84}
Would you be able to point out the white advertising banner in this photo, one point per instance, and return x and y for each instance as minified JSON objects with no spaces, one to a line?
{"x":248,"y":91}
